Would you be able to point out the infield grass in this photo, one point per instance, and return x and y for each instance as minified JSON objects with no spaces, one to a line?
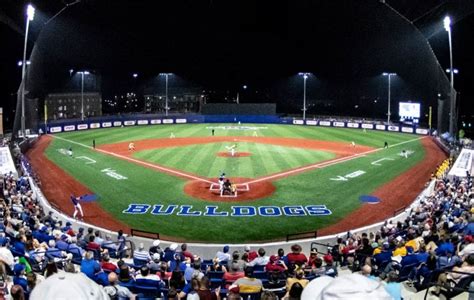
{"x":315,"y":187}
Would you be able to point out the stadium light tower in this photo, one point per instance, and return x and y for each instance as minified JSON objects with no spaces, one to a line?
{"x":30,"y":15}
{"x":389,"y":75}
{"x":166,"y":95}
{"x":82,"y":92}
{"x":305,"y":77}
{"x":447,"y":27}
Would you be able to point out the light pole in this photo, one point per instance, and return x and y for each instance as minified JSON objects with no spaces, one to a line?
{"x":389,"y":75}
{"x":166,"y":95}
{"x":30,"y":13}
{"x":82,"y":92}
{"x":447,"y":27}
{"x":305,"y":77}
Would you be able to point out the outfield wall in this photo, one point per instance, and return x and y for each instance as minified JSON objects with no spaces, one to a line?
{"x":144,"y":120}
{"x":208,"y":250}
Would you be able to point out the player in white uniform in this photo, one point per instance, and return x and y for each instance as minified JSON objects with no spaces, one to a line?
{"x":131,"y":146}
{"x":232,"y":149}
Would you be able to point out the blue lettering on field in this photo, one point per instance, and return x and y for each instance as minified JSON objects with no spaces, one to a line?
{"x":269,"y":211}
{"x":293,"y":211}
{"x":211,"y":212}
{"x":318,"y":210}
{"x":186,"y":211}
{"x":158,"y":210}
{"x":136,"y":209}
{"x":243,"y":211}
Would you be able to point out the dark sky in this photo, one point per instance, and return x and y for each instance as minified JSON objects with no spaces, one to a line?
{"x":223,"y":44}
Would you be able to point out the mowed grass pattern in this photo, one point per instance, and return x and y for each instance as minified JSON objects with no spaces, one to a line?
{"x":202,"y":159}
{"x":315,"y":187}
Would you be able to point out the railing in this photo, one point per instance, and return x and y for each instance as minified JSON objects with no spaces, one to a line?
{"x":145,"y":234}
{"x":302,"y":235}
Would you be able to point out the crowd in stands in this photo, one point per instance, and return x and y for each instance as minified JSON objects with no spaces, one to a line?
{"x":432,"y":248}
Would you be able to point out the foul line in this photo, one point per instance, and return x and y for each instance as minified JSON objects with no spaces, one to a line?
{"x":327,"y":163}
{"x":136,"y":161}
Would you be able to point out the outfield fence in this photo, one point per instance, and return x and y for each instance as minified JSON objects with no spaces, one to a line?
{"x":236,"y":121}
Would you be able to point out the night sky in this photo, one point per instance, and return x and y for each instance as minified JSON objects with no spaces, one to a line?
{"x":223,"y":45}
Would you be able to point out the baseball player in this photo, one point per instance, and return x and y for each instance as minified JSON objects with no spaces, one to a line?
{"x":221,"y":183}
{"x":404,"y":153}
{"x":353,"y":144}
{"x":131,"y":146}
{"x":172,"y":136}
{"x":232,"y":149}
{"x":69,"y":151}
{"x":385,"y":145}
{"x":77,"y":206}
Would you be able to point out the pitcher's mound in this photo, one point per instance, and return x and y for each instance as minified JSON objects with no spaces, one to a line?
{"x":236,"y":154}
{"x":202,"y":190}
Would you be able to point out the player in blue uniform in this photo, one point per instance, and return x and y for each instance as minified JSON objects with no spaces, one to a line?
{"x":77,"y":206}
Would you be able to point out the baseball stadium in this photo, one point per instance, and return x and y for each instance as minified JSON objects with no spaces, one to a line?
{"x":143,"y":168}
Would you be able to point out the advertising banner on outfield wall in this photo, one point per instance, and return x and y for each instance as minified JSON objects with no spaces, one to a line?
{"x":117,"y":123}
{"x":353,"y":125}
{"x":181,"y":121}
{"x":380,"y":127}
{"x":94,"y":125}
{"x":338,"y":124}
{"x":422,"y":131}
{"x":367,"y":126}
{"x":142,"y":122}
{"x":107,"y":124}
{"x":155,"y":122}
{"x":407,"y":129}
{"x":312,"y":122}
{"x":129,"y":123}
{"x":167,"y":121}
{"x":298,"y":122}
{"x":393,"y":128}
{"x":326,"y":123}
{"x":69,"y":128}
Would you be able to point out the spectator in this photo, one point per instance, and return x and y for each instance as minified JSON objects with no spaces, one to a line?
{"x":19,"y":277}
{"x":124,"y":273}
{"x":155,"y":248}
{"x":205,"y":293}
{"x":275,"y":264}
{"x":114,"y":290}
{"x":234,"y":274}
{"x":106,"y":265}
{"x":261,"y":260}
{"x":185,"y":253}
{"x":249,"y":284}
{"x":141,"y":256}
{"x":297,"y":278}
{"x":223,"y":255}
{"x":154,"y":265}
{"x":17,"y":292}
{"x":453,"y":279}
{"x":92,"y":269}
{"x":51,"y":268}
{"x":295,"y":291}
{"x":296,"y":257}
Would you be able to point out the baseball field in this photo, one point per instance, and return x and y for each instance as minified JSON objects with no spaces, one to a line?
{"x":289,"y":179}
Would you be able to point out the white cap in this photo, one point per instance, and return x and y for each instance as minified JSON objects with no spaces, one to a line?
{"x":247,"y":248}
{"x":77,"y":284}
{"x":156,"y":256}
{"x":156,"y":243}
{"x":353,"y":286}
{"x":141,"y":246}
{"x":173,"y":246}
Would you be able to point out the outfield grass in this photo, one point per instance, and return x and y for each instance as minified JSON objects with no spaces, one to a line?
{"x":147,"y":186}
{"x":201,"y":159}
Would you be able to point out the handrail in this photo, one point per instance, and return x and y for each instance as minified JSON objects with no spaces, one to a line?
{"x":145,"y":234}
{"x":307,"y":234}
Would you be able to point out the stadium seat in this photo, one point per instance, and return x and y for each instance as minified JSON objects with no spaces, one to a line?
{"x":146,"y":292}
{"x":258,"y":268}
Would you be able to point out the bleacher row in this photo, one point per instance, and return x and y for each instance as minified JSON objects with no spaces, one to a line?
{"x":432,"y":250}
